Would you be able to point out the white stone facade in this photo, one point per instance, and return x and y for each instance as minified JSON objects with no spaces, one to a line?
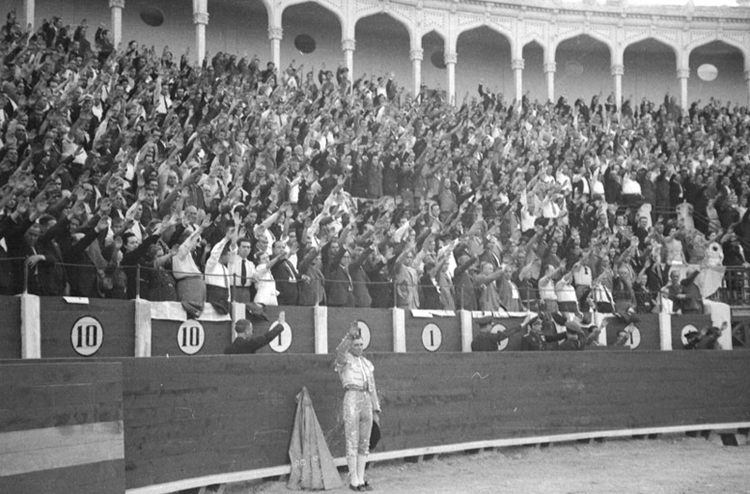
{"x":546,"y":22}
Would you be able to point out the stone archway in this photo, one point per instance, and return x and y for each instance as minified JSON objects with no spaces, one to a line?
{"x":583,"y":68}
{"x":384,"y":43}
{"x":310,"y":21}
{"x":650,"y":71}
{"x":484,"y":54}
{"x":716,"y":71}
{"x":240,"y":29}
{"x":533,"y":72}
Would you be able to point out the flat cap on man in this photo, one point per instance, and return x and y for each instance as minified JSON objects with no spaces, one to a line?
{"x":484,"y":320}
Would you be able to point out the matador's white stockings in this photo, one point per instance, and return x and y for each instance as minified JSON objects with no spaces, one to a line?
{"x":361,"y":463}
{"x":353,"y":464}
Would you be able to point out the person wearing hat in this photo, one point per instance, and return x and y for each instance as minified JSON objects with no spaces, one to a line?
{"x":486,"y":340}
{"x":576,"y":337}
{"x":536,"y":339}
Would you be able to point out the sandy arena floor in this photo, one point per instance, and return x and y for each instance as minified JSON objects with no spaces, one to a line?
{"x":670,"y":465}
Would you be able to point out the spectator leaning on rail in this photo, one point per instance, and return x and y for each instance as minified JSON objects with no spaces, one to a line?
{"x":247,"y":343}
{"x":536,"y":339}
{"x":486,"y":340}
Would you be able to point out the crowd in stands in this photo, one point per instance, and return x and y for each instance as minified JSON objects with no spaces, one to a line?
{"x":131,"y":173}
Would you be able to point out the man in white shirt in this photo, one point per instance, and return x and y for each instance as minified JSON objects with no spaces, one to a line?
{"x":242,"y":272}
{"x":217,"y":274}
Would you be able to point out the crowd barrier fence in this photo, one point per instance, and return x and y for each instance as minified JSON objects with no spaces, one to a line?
{"x":731,"y":285}
{"x":74,"y":327}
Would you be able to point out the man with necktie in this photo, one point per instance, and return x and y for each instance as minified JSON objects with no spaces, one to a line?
{"x":285,"y":275}
{"x":242,"y":273}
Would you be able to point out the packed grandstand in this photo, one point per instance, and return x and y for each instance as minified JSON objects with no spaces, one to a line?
{"x":131,"y":173}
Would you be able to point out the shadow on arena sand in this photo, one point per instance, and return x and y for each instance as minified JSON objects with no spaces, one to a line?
{"x":670,"y":465}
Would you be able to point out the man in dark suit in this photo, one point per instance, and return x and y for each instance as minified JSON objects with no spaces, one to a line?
{"x":286,"y":277}
{"x":339,"y":283}
{"x":676,"y":192}
{"x":246,"y":343}
{"x":463,"y":282}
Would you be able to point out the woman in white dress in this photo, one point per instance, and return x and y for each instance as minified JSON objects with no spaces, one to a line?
{"x":264,"y":282}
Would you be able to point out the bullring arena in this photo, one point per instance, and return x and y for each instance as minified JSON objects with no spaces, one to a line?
{"x":416,"y":166}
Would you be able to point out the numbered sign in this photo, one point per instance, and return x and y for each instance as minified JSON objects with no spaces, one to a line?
{"x":432,"y":337}
{"x":86,"y":336}
{"x":503,"y":344}
{"x":364,"y":332}
{"x":685,"y":331}
{"x":634,"y":336}
{"x":190,"y":337}
{"x":281,"y":343}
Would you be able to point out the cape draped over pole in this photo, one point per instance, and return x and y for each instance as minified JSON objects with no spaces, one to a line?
{"x":312,"y":463}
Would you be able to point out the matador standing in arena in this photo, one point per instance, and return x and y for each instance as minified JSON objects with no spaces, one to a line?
{"x":361,"y":405}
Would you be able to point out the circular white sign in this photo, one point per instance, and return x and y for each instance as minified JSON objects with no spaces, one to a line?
{"x":190,"y":337}
{"x":281,"y":343}
{"x":432,"y":337}
{"x":708,"y":72}
{"x":86,"y":336}
{"x":364,"y":332}
{"x":683,"y":334}
{"x":496,"y":328}
{"x":634,"y":336}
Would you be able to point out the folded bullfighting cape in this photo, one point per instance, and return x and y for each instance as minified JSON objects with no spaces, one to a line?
{"x":312,"y":463}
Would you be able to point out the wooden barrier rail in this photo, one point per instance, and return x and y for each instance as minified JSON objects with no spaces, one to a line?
{"x":61,"y":428}
{"x":60,"y":327}
{"x":197,"y":421}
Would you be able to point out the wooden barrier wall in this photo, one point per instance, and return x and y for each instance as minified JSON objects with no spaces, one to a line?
{"x":187,"y":419}
{"x":61,"y":428}
{"x":105,"y":328}
{"x":432,"y":334}
{"x":64,"y":327}
{"x":644,"y":333}
{"x":10,"y":328}
{"x":684,"y":324}
{"x":376,"y":326}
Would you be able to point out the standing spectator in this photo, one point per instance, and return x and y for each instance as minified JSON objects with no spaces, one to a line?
{"x":286,"y":276}
{"x":407,"y":280}
{"x":463,"y":281}
{"x":339,"y":283}
{"x":312,"y":281}
{"x":242,"y":272}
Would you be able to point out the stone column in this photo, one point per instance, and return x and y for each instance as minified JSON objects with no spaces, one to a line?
{"x":115,"y":8}
{"x":348,"y":46}
{"x":518,"y":64}
{"x":451,"y":59}
{"x":275,"y":35}
{"x":617,"y":71}
{"x":747,"y":83}
{"x":29,"y":7}
{"x":549,"y":70}
{"x":200,"y":19}
{"x":416,"y":69}
{"x":683,"y":75}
